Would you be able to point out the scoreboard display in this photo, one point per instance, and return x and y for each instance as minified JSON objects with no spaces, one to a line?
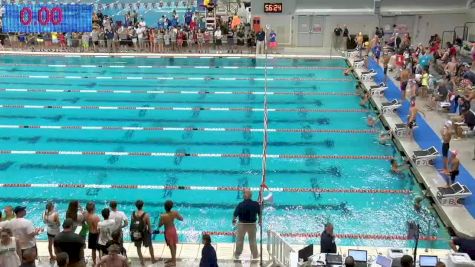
{"x":273,"y":7}
{"x":37,"y":18}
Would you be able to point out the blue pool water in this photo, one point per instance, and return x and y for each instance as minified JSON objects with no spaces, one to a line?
{"x":201,"y":83}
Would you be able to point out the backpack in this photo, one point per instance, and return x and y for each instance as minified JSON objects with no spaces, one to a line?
{"x":137,"y":227}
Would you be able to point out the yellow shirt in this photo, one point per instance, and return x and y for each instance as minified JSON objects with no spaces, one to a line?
{"x":425,"y":80}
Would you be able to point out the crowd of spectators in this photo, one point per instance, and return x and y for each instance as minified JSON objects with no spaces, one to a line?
{"x":172,"y":33}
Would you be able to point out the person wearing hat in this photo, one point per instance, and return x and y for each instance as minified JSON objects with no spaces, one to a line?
{"x":446,"y":134}
{"x":71,"y":243}
{"x":113,"y":258}
{"x":23,"y":230}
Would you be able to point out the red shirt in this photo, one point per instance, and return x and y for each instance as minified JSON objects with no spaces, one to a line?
{"x":193,"y":25}
{"x":400,"y":60}
{"x":453,"y":51}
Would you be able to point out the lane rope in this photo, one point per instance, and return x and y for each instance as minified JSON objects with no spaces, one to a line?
{"x":210,"y":188}
{"x":303,"y":110}
{"x":342,"y":236}
{"x":169,"y":66}
{"x":198,"y":92}
{"x":194,"y":155}
{"x":172,"y":78}
{"x":186,"y":129}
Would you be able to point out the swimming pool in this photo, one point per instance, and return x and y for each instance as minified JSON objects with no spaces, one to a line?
{"x":93,"y":128}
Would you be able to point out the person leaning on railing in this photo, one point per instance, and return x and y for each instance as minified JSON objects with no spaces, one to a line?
{"x":247,"y":212}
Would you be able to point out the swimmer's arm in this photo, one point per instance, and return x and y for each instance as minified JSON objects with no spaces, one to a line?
{"x":178,"y":216}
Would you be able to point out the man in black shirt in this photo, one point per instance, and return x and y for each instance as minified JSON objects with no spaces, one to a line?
{"x":260,"y":41}
{"x":327,"y":240}
{"x":71,"y":243}
{"x":338,"y":38}
{"x":344,"y":42}
{"x":464,"y":246}
{"x":247,"y":212}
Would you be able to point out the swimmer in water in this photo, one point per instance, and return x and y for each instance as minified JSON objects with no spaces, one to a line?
{"x":397,"y":168}
{"x":348,"y":71}
{"x":371,"y":121}
{"x":365,"y":99}
{"x":385,"y":137}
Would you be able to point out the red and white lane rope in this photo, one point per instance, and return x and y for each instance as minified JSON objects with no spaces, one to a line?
{"x":193,"y":155}
{"x":170,"y":78}
{"x":167,"y":66}
{"x":211,"y":188}
{"x":201,"y":92}
{"x":187,"y":129}
{"x":304,"y":110}
{"x":342,"y":236}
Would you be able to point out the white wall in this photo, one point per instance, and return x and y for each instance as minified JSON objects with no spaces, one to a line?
{"x":355,"y":23}
{"x":427,"y":25}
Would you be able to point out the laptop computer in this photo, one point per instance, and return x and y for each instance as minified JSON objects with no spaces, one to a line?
{"x":428,"y":261}
{"x":384,"y":261}
{"x":360,"y":257}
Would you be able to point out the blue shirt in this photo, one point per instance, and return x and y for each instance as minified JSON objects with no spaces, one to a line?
{"x":247,"y":211}
{"x":208,"y":257}
{"x":188,"y":17}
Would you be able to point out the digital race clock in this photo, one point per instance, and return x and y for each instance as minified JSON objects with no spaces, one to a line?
{"x":47,"y":18}
{"x":273,"y":7}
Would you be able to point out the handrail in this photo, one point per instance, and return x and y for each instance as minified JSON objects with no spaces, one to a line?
{"x":465,"y":30}
{"x":280,"y":252}
{"x":443,"y":34}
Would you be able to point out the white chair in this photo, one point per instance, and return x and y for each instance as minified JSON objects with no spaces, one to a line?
{"x":425,"y":157}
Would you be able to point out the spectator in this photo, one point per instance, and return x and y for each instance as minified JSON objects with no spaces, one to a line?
{"x":105,"y":228}
{"x":74,"y":212}
{"x":120,"y":218}
{"x":338,"y":38}
{"x":9,"y":249}
{"x":349,"y":262}
{"x":23,"y":230}
{"x":116,"y":240}
{"x":71,"y":243}
{"x":406,"y":261}
{"x":62,"y":259}
{"x":171,"y":237}
{"x":246,"y":212}
{"x":9,"y":214}
{"x":463,"y":245}
{"x":92,"y":221}
{"x":346,"y":34}
{"x":29,"y":257}
{"x":51,"y":219}
{"x":208,"y":253}
{"x":218,"y":36}
{"x":327,"y":240}
{"x":260,"y":42}
{"x":113,"y":258}
{"x":141,"y":231}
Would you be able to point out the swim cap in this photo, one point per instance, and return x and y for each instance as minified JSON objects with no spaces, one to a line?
{"x":455,"y":152}
{"x":448,"y":124}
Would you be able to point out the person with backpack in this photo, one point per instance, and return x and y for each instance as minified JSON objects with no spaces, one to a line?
{"x":141,"y":231}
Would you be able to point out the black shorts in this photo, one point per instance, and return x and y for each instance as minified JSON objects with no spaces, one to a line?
{"x":453,"y":174}
{"x":219,"y":42}
{"x":146,"y":240}
{"x":385,"y":70}
{"x":50,"y":235}
{"x":445,"y":149}
{"x":411,"y":124}
{"x":96,"y":42}
{"x":102,"y":248}
{"x":403,"y":86}
{"x":92,"y":241}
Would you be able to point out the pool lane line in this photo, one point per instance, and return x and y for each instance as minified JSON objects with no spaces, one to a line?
{"x":341,"y":236}
{"x":170,"y":66}
{"x":193,"y":155}
{"x":205,"y":78}
{"x":213,"y":188}
{"x":187,"y":129}
{"x":225,"y":109}
{"x":170,"y":92}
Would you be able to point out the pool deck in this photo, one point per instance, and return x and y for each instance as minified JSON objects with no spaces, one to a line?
{"x":457,"y":217}
{"x":190,"y":254}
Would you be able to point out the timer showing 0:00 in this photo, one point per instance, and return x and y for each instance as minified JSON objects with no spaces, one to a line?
{"x":44,"y":16}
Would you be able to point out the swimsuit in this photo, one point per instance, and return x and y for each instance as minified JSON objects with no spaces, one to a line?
{"x":445,"y":149}
{"x":171,"y":237}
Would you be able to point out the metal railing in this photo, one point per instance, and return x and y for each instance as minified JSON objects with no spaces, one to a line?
{"x":280,"y":252}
